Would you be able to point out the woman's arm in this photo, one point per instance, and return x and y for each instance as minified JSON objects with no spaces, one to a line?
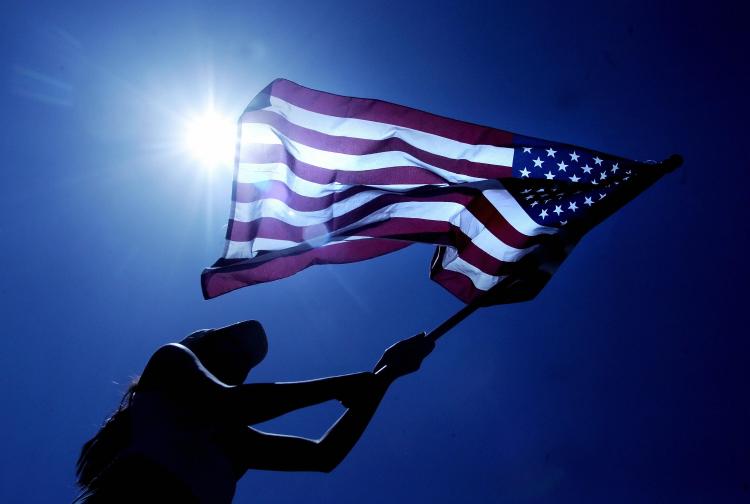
{"x":176,"y":371}
{"x":257,"y":402}
{"x":289,"y":453}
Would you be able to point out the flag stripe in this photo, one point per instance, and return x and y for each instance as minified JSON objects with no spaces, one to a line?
{"x":255,"y":177}
{"x":450,"y":170}
{"x":481,"y":280}
{"x":283,"y":114}
{"x":457,"y":284}
{"x":389,"y":113}
{"x":261,"y":157}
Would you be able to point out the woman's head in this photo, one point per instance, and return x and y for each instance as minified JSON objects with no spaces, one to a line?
{"x":230,"y":352}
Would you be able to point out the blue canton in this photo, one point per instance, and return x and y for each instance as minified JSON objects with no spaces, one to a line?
{"x":555,"y":183}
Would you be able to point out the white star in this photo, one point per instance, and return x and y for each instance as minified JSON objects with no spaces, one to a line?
{"x":587,"y":169}
{"x":574,"y":178}
{"x":615,"y":167}
{"x":540,"y":190}
{"x":530,"y":196}
{"x":527,"y":149}
{"x":594,"y":182}
{"x":534,"y":204}
{"x":543,"y":214}
{"x":626,"y":177}
{"x":574,"y":156}
{"x":602,"y":195}
{"x":588,"y":201}
{"x":551,"y":153}
{"x":525,"y":172}
{"x":549,"y":175}
{"x":563,"y":222}
{"x":558,"y":210}
{"x":538,"y":162}
{"x":573,"y":206}
{"x":598,"y":160}
{"x":526,"y":191}
{"x":603,"y":175}
{"x":561,"y":166}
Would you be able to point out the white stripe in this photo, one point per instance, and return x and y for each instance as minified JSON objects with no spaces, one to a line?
{"x":479,"y":278}
{"x":315,"y":222}
{"x":257,"y":173}
{"x":253,"y":133}
{"x":373,"y":130}
{"x":248,"y":250}
{"x":516,"y":216}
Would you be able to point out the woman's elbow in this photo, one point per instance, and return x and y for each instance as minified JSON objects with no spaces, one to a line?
{"x":328,"y":466}
{"x":327,"y":460}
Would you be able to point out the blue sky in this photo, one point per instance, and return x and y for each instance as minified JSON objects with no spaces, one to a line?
{"x":625,"y":381}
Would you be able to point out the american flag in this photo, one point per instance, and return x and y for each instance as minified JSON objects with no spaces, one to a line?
{"x":322,"y":178}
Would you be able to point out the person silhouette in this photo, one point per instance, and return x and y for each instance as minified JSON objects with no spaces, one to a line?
{"x":182,"y":430}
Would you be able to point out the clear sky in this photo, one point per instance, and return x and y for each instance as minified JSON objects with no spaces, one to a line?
{"x":625,"y":381}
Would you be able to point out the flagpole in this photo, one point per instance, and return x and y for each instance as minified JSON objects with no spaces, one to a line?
{"x":454,"y":320}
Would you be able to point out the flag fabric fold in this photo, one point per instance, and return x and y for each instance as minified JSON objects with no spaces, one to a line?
{"x":323,"y":179}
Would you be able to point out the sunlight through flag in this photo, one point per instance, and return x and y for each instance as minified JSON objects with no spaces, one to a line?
{"x":323,"y":179}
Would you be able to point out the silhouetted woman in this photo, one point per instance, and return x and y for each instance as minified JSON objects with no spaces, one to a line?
{"x":181,"y":432}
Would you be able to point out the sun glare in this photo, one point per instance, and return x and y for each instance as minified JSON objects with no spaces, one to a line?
{"x":210,"y":139}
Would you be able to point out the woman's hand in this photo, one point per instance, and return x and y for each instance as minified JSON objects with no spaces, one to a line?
{"x":405,"y":356}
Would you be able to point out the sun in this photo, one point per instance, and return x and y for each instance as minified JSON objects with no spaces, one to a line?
{"x":210,"y":139}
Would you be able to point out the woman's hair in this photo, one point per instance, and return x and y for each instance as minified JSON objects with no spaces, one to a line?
{"x":101,"y":451}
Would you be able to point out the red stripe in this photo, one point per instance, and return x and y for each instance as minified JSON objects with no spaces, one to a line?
{"x":217,"y":281}
{"x":384,"y":112}
{"x":457,"y":284}
{"x":361,"y":146}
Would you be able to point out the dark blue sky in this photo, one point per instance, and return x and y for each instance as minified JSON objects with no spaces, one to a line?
{"x":625,"y":381}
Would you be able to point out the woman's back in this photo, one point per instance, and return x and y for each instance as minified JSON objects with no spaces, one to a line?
{"x":187,"y":435}
{"x":135,"y":478}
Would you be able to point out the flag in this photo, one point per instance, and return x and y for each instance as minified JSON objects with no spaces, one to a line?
{"x":323,"y":179}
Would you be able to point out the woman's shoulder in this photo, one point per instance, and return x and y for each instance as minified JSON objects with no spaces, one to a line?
{"x":171,"y":364}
